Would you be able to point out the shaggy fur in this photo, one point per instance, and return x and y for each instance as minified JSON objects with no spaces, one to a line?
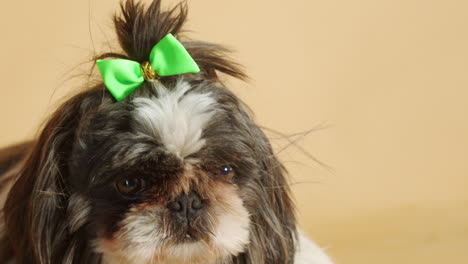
{"x":184,"y":138}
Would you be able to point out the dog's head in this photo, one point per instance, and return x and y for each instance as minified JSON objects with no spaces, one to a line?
{"x":176,"y":173}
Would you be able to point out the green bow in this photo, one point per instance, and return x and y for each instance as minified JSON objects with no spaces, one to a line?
{"x":168,"y":57}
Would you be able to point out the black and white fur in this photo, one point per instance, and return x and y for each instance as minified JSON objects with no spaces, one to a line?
{"x":185,"y":140}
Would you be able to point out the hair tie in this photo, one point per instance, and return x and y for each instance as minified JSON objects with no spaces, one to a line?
{"x":168,"y":57}
{"x":148,"y":73}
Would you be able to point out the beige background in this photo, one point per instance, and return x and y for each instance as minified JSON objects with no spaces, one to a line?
{"x":388,"y":80}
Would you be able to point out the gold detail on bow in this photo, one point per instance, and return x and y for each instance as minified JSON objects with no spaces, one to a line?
{"x":147,"y":71}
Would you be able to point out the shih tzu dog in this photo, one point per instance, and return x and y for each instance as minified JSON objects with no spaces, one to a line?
{"x":156,"y":163}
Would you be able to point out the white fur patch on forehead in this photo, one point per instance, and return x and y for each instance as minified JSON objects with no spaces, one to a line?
{"x":176,"y":117}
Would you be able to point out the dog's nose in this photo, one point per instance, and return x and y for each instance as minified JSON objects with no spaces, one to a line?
{"x":186,"y":207}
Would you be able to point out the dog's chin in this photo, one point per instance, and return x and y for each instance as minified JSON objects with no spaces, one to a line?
{"x":145,"y":237}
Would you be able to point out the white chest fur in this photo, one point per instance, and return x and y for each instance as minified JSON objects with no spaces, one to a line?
{"x":308,"y":252}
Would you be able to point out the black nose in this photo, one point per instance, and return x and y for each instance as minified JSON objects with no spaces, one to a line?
{"x":186,"y":207}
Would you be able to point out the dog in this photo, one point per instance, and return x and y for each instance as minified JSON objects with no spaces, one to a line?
{"x":175,"y":172}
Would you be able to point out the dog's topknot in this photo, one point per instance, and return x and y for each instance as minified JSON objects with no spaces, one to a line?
{"x":139,"y":28}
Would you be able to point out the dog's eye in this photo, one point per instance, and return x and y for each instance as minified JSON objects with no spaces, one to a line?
{"x":227,"y":171}
{"x":129,"y":186}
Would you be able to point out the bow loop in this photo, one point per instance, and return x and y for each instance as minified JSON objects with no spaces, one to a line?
{"x":168,"y":57}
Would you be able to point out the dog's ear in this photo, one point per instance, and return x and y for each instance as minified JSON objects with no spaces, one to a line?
{"x":36,"y":205}
{"x":274,"y":228}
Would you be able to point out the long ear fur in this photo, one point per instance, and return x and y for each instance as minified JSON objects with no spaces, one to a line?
{"x":35,"y":209}
{"x":10,"y":158}
{"x":274,"y":229}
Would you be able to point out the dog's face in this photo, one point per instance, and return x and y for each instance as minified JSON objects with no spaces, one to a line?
{"x":177,"y":172}
{"x":164,"y":174}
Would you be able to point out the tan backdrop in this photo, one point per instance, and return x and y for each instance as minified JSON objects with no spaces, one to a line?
{"x":386,"y":79}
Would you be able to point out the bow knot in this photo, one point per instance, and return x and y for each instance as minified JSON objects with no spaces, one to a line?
{"x":148,"y":73}
{"x":168,"y":57}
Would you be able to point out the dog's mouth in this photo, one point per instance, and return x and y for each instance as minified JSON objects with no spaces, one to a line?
{"x":190,"y":234}
{"x":186,"y":229}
